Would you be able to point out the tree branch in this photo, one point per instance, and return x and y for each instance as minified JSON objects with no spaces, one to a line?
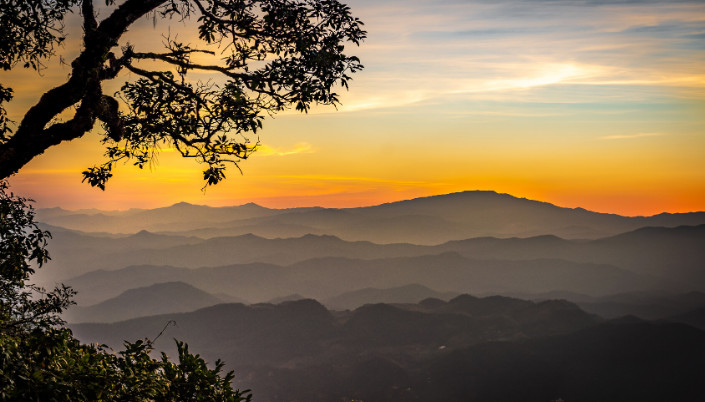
{"x":89,"y":21}
{"x":31,"y":138}
{"x":192,"y":66}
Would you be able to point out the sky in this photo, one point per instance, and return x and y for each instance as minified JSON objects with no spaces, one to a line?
{"x":594,"y":103}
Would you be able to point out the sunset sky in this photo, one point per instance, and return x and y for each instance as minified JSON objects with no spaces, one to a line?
{"x":596,"y":104}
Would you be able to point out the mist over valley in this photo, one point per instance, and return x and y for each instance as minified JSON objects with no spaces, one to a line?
{"x":442,"y":298}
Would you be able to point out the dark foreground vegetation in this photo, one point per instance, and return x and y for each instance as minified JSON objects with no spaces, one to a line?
{"x":467,"y":349}
{"x":40,"y":360}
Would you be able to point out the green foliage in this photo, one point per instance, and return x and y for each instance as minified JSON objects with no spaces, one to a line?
{"x":51,"y":365}
{"x":97,"y":176}
{"x":40,"y":360}
{"x":22,"y":245}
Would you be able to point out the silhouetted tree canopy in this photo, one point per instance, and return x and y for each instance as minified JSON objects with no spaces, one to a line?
{"x":40,"y":360}
{"x":273,"y":54}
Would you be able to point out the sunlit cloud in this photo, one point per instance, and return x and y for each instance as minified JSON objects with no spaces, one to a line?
{"x":422,"y":51}
{"x":300,"y":148}
{"x":626,"y":136}
{"x":511,"y":114}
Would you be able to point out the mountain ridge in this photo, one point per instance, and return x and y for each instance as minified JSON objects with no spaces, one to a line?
{"x":159,"y":298}
{"x":424,"y":220}
{"x":326,"y":277}
{"x":673,"y":253}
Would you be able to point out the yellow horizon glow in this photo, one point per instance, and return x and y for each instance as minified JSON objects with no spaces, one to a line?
{"x":598,"y":107}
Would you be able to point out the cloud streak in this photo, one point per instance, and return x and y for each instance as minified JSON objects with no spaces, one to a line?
{"x":426,"y":50}
{"x":301,"y":148}
{"x":629,"y":136}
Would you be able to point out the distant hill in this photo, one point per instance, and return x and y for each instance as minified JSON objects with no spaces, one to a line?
{"x":413,"y":293}
{"x":428,"y":220}
{"x":323,"y":278}
{"x":444,"y":324}
{"x":608,"y":363}
{"x":468,"y":349}
{"x":695,"y":318}
{"x":672,"y":253}
{"x":227,"y":298}
{"x":234,"y":332}
{"x":237,"y":332}
{"x":46,"y":214}
{"x":58,"y":230}
{"x":74,"y":254}
{"x":269,"y":230}
{"x":289,"y":298}
{"x":648,"y":305}
{"x":491,"y":213}
{"x":160,"y":298}
{"x":181,"y":216}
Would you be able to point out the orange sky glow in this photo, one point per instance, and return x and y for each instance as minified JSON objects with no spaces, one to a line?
{"x":596,"y":105}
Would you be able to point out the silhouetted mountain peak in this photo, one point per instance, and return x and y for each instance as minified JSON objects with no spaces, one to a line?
{"x":375,"y":311}
{"x":321,"y":237}
{"x":407,"y":294}
{"x":432,"y":303}
{"x":159,"y":298}
{"x":626,"y":320}
{"x":177,"y":290}
{"x":557,"y":304}
{"x":285,"y":299}
{"x":485,"y":306}
{"x":144,"y":234}
{"x":463,"y":299}
{"x":696,"y":232}
{"x":480,"y":195}
{"x":304,"y":305}
{"x":695,"y":318}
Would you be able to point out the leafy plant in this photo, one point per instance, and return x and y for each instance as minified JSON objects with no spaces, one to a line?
{"x":40,"y":360}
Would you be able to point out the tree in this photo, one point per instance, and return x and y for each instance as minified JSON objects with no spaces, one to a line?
{"x":297,"y":44}
{"x":41,"y":361}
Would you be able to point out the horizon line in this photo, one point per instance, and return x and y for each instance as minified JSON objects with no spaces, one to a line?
{"x":368,"y":206}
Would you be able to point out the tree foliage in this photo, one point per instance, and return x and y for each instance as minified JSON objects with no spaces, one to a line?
{"x":272,"y":54}
{"x":40,"y":360}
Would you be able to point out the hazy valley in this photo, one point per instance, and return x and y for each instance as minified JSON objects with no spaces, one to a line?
{"x":441,"y":298}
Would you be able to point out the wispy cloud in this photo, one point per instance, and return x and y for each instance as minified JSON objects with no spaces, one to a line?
{"x":626,"y":136}
{"x":330,"y":178}
{"x":423,"y":51}
{"x":300,"y":148}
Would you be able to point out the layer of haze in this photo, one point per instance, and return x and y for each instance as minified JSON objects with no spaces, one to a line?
{"x":596,"y":104}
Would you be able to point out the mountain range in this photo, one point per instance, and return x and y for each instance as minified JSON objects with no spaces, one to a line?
{"x":268,"y":333}
{"x":470,"y":349}
{"x":180,"y":297}
{"x":160,"y":298}
{"x":322,"y":278}
{"x":471,"y":296}
{"x":674,"y":254}
{"x":429,"y":220}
